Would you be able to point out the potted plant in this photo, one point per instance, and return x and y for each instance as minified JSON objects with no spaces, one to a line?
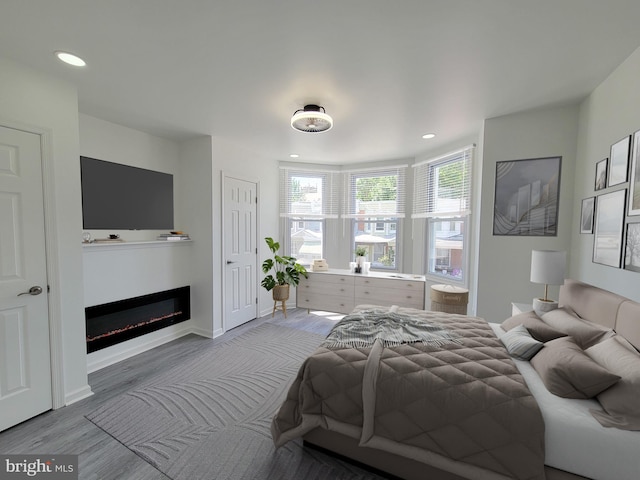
{"x":286,"y":271}
{"x":361,"y":254}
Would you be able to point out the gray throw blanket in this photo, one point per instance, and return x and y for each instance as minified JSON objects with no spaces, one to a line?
{"x":362,"y":329}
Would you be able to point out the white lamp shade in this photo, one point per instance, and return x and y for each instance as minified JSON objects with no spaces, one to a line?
{"x":547,"y":266}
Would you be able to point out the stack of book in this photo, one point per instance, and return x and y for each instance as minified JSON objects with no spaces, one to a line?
{"x":174,"y":236}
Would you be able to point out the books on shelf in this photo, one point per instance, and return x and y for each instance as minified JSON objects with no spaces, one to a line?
{"x":173,"y":237}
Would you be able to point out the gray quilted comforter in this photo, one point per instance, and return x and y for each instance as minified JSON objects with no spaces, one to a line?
{"x":461,"y":406}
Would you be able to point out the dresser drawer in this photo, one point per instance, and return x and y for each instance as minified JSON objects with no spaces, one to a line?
{"x":389,"y":296}
{"x":313,"y":301}
{"x":391,"y":283}
{"x":324,"y":278}
{"x":326,"y":288}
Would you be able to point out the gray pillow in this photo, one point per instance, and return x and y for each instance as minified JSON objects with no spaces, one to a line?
{"x":535,"y":326}
{"x":620,"y":402}
{"x":568,"y":372}
{"x":585,"y":333}
{"x":520,"y":343}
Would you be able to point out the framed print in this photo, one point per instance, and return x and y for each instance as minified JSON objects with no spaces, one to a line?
{"x":619,"y":162}
{"x":586,"y":216}
{"x":634,"y":182}
{"x":632,"y":252}
{"x":527,"y":193}
{"x":609,"y":222}
{"x":601,"y":174}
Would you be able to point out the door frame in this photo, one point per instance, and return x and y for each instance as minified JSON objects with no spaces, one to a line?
{"x":51,"y":252}
{"x":256,"y":181}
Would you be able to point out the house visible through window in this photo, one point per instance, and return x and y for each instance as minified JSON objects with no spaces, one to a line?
{"x":307,"y":199}
{"x":442,"y":195}
{"x":375,"y":203}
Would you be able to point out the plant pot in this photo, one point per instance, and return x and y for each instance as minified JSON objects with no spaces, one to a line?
{"x":280,"y":293}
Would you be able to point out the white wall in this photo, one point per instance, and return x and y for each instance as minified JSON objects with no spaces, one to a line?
{"x":607,"y":115}
{"x":505,"y":261}
{"x":49,"y":106}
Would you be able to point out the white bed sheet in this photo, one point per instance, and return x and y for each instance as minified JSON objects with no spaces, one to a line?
{"x":574,"y":440}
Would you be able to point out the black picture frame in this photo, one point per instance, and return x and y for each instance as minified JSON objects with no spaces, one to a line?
{"x":608,"y":228}
{"x":586,"y":215}
{"x":619,"y":162}
{"x":632,"y":248}
{"x":601,"y":174}
{"x":527,"y":197}
{"x":634,"y":180}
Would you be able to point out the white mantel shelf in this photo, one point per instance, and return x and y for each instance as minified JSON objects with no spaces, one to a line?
{"x":102,"y":246}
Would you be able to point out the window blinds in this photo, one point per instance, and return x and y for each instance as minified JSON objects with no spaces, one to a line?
{"x":442,"y":185}
{"x":374,"y":193}
{"x":309,"y":194}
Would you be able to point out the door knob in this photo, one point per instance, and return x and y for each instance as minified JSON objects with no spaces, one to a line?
{"x":35,"y":290}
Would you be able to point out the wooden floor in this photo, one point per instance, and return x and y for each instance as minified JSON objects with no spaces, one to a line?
{"x":101,"y":457}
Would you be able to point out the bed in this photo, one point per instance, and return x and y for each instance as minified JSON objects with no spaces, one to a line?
{"x":518,"y":429}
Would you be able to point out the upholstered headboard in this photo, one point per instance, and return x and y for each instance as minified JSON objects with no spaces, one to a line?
{"x":603,"y":307}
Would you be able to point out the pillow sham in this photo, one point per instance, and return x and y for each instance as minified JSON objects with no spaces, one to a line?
{"x":568,"y":372}
{"x":535,"y":326}
{"x":620,"y":402}
{"x":520,"y":343}
{"x":584,"y":332}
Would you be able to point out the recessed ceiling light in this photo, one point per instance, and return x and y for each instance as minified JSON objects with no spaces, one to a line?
{"x":427,"y":136}
{"x":71,"y":59}
{"x":294,"y":155}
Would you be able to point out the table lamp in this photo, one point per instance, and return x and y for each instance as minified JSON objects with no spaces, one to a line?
{"x":547,"y":267}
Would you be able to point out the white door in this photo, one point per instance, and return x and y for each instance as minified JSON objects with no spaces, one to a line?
{"x":240,"y":252}
{"x":25,"y":366}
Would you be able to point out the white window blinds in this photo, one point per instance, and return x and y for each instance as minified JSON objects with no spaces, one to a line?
{"x":309,"y":194}
{"x":442,"y":185}
{"x":374,"y":193}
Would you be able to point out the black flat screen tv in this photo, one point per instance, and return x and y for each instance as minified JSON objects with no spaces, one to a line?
{"x":120,"y":197}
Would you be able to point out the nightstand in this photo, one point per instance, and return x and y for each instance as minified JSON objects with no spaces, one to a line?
{"x":517,"y":308}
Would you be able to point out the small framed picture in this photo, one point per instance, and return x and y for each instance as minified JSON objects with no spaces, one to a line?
{"x":608,"y":226}
{"x":586,"y":217}
{"x":601,"y":174}
{"x":634,"y":183}
{"x":632,"y":252}
{"x":619,"y":164}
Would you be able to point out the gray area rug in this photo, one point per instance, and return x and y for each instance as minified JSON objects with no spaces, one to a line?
{"x":209,"y":418}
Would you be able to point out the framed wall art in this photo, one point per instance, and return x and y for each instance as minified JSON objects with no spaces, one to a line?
{"x":632,"y":251}
{"x":634,"y":182}
{"x":609,"y":222}
{"x":619,"y":162}
{"x":586,"y":215}
{"x":527,"y":194}
{"x":601,"y":174}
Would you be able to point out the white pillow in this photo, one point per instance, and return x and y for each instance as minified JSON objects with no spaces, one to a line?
{"x":520,"y":343}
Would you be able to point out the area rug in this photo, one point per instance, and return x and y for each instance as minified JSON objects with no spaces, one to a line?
{"x":209,"y":418}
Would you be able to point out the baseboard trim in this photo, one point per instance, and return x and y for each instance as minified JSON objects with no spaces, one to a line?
{"x":77,"y":395}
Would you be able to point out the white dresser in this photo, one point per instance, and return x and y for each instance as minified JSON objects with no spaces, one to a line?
{"x":340,"y":290}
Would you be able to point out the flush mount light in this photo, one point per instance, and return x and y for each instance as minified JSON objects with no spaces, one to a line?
{"x":427,"y":136}
{"x":312,"y":119}
{"x":70,"y":59}
{"x":294,"y":155}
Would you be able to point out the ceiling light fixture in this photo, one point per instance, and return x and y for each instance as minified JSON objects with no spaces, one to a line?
{"x":427,"y":136}
{"x":70,"y":59}
{"x":294,"y":155}
{"x":312,"y":119}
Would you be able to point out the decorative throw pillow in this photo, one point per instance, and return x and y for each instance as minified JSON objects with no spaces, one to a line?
{"x":585,"y":333}
{"x":536,"y":327}
{"x":620,"y":402}
{"x":520,"y":343}
{"x":568,"y":372}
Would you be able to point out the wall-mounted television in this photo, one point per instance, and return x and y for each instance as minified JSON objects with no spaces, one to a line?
{"x":121,"y":197}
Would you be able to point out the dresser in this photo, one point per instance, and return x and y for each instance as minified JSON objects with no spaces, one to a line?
{"x":340,"y":290}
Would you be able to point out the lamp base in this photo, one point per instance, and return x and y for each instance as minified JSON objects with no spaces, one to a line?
{"x":541,"y":306}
